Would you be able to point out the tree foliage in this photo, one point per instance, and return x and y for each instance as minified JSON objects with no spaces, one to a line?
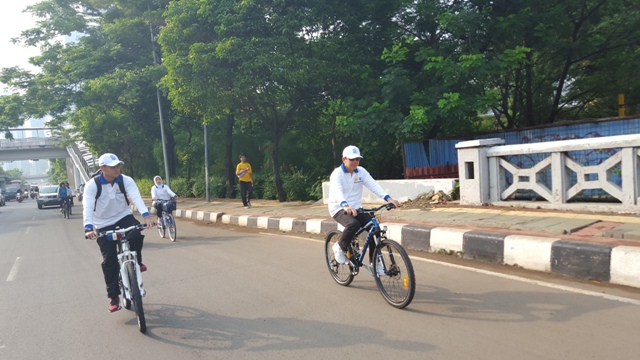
{"x":291,"y":83}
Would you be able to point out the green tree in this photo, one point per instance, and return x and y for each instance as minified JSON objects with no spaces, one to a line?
{"x":103,"y":83}
{"x":15,"y":174}
{"x":252,"y":59}
{"x":57,"y":171}
{"x":530,"y":63}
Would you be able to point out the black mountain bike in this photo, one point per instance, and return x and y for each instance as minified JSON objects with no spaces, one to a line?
{"x":392,"y":268}
{"x":66,"y":208}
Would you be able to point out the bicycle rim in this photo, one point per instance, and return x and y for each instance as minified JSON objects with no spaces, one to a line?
{"x":398,"y":284}
{"x":136,"y":297}
{"x":173,"y":232}
{"x":341,"y":273}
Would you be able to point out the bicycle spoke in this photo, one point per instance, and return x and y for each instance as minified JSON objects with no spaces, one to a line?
{"x":397,"y":284}
{"x":341,"y":273}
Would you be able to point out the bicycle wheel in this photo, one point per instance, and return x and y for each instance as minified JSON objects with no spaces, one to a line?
{"x":341,"y":273}
{"x":136,"y":297}
{"x":171,"y":224}
{"x":161,"y":227}
{"x":126,"y":303}
{"x":65,"y":211}
{"x":398,"y":284}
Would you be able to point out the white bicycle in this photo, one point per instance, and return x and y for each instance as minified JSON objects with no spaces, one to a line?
{"x":168,"y":222}
{"x":130,"y":280}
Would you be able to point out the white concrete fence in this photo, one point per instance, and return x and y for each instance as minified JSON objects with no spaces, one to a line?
{"x":484,"y":169}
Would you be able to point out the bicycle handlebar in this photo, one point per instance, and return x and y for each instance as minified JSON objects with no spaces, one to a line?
{"x":119,"y":232}
{"x":388,"y":206}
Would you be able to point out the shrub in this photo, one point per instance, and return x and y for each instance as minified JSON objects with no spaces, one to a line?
{"x":264,"y":187}
{"x":144,"y":185}
{"x":182,"y":187}
{"x":217,"y":187}
{"x":316,"y":188}
{"x":296,"y":185}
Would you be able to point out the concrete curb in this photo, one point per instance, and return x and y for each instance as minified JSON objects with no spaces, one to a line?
{"x":613,"y":264}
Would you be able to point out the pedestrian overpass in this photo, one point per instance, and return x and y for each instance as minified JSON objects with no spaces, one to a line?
{"x":80,"y":162}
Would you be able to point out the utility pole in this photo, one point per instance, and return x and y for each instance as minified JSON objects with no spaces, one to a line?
{"x":206,"y":163}
{"x":164,"y":142}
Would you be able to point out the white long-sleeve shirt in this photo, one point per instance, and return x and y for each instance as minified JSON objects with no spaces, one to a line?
{"x":111,"y":206}
{"x":162,"y":192}
{"x":345,"y":188}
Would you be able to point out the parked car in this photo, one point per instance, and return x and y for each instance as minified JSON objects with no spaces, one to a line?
{"x":10,"y":193}
{"x":48,"y":196}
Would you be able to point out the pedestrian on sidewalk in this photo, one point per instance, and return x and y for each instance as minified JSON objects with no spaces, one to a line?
{"x":345,"y":198}
{"x":245,"y":175}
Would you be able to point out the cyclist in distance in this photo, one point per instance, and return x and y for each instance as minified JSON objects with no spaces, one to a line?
{"x":63,"y":193}
{"x":107,"y":208}
{"x":70,"y":193}
{"x":160,"y":191}
{"x":345,"y":198}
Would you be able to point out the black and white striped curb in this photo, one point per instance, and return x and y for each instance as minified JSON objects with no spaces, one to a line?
{"x":603,"y":263}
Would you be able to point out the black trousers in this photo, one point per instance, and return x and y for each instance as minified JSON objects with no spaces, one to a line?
{"x":351,"y":226}
{"x":158,"y":206}
{"x":246,"y":192}
{"x":108,"y":248}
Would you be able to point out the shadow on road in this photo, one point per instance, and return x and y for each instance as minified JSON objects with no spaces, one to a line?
{"x":195,"y":329}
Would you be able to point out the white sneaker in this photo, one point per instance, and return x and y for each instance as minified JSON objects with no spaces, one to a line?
{"x":380,"y":268}
{"x":340,"y":255}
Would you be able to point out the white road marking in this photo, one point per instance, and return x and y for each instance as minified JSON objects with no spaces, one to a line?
{"x":504,"y":276}
{"x":534,"y":282}
{"x":28,"y":229}
{"x":14,"y":269}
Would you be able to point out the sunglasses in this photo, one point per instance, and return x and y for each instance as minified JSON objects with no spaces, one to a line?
{"x":356,"y":159}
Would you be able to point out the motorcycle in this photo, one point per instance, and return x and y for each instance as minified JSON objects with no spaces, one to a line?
{"x":19,"y":197}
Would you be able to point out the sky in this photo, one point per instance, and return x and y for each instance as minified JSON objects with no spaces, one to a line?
{"x":12,"y":22}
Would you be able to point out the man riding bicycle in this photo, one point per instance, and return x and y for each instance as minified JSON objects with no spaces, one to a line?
{"x":345,"y":198}
{"x":105,"y":207}
{"x":160,"y":193}
{"x":70,"y":193}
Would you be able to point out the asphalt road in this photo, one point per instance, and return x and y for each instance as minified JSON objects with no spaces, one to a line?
{"x":220,"y":292}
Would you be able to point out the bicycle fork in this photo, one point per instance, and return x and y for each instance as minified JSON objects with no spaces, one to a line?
{"x":125,"y":278}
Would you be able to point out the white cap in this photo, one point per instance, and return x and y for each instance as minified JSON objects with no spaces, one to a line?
{"x":351,"y":152}
{"x":109,"y":159}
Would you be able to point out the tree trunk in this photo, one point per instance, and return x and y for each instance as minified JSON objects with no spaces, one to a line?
{"x":231,"y":174}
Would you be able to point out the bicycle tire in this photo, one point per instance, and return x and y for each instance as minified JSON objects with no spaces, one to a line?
{"x":126,"y":303}
{"x":161,"y":228}
{"x":398,"y":284}
{"x":65,"y":211}
{"x":341,"y":273}
{"x":171,"y":224}
{"x":136,"y":297}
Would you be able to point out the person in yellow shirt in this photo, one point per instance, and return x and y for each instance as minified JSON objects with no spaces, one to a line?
{"x":245,"y":175}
